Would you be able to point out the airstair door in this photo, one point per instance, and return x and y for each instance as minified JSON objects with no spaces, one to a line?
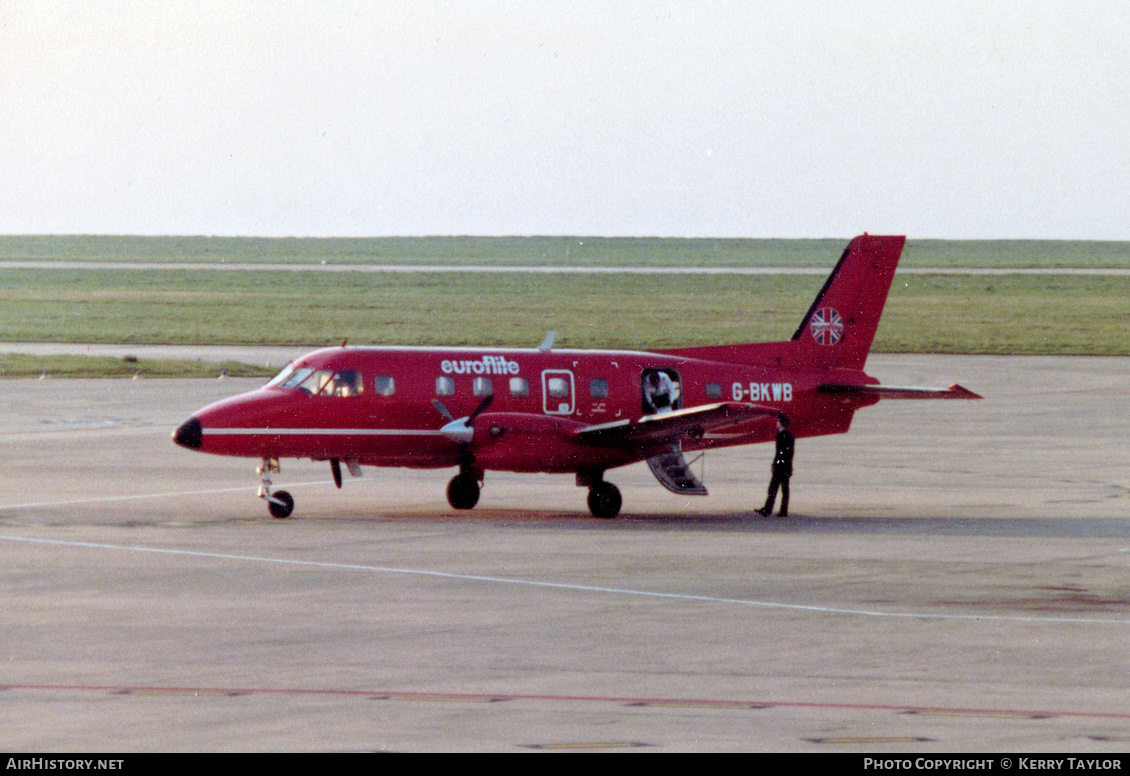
{"x":557,"y":392}
{"x":673,"y":472}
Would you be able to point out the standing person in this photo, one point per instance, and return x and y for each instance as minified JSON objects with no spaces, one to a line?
{"x":782,"y":469}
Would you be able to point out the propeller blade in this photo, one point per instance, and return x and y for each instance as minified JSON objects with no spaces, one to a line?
{"x":335,"y":467}
{"x":479,"y":410}
{"x":443,"y":410}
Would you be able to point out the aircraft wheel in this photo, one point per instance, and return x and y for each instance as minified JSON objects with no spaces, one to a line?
{"x":280,"y":504}
{"x":605,"y":500}
{"x":463,"y":491}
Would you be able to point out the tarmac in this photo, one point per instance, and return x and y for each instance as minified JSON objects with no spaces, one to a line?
{"x":953,"y":578}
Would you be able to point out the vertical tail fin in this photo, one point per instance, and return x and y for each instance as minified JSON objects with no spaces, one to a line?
{"x":840,"y":325}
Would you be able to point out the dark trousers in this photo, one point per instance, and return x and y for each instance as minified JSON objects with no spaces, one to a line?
{"x":781,"y":480}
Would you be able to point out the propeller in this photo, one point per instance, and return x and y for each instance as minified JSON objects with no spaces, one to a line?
{"x":335,"y":467}
{"x":461,"y":430}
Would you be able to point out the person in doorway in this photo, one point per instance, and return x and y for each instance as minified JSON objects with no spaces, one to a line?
{"x":658,"y":390}
{"x":782,"y":469}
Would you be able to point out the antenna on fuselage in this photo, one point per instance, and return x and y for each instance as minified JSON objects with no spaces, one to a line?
{"x":547,"y":341}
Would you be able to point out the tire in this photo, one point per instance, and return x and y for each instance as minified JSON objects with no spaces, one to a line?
{"x":463,"y":491}
{"x":280,"y":504}
{"x":605,"y":500}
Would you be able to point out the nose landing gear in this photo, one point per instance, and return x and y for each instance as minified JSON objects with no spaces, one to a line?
{"x":280,"y":503}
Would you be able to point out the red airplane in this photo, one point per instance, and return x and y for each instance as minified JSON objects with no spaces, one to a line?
{"x":581,"y":412}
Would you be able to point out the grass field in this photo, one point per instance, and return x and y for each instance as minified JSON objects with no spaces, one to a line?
{"x":570,"y":251}
{"x":925,"y":313}
{"x":13,"y":365}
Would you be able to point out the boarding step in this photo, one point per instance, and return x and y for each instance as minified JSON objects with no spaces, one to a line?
{"x":673,"y":472}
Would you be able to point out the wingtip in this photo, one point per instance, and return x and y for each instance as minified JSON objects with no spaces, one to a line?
{"x":960,"y":392}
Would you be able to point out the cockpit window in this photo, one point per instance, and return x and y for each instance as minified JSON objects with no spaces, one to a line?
{"x":281,"y":377}
{"x":347,"y":382}
{"x":297,"y":377}
{"x":320,"y":382}
{"x":315,"y":383}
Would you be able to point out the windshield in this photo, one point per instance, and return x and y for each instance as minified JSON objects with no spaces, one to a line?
{"x":320,"y":382}
{"x":281,"y":377}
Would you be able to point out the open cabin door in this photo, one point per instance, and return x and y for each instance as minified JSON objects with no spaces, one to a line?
{"x":661,"y":391}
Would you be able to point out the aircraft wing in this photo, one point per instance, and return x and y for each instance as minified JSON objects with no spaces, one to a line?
{"x":901,"y":392}
{"x":671,"y":426}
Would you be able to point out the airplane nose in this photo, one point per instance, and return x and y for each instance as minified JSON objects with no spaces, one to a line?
{"x":190,"y":434}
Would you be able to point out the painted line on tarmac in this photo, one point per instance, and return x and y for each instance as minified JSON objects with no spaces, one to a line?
{"x":644,"y":702}
{"x":685,"y":597}
{"x":143,"y":496}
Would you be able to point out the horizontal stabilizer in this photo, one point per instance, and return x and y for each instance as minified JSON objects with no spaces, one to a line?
{"x":902,"y":392}
{"x":672,"y":426}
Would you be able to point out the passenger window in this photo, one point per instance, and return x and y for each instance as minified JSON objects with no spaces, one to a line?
{"x":483,"y":386}
{"x":445,"y":386}
{"x":558,"y":387}
{"x":519,"y":386}
{"x":598,"y":388}
{"x":713,"y":390}
{"x":385,"y":385}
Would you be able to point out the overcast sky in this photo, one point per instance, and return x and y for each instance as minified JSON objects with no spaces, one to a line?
{"x":745,"y":119}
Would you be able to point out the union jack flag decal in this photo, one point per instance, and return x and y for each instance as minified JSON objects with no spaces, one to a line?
{"x":827,"y":326}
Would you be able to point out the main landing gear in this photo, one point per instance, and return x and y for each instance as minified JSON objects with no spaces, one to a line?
{"x":605,"y":500}
{"x":280,"y":503}
{"x":463,"y":490}
{"x":604,"y":497}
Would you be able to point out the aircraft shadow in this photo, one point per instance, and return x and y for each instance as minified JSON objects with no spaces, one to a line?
{"x":1028,"y":527}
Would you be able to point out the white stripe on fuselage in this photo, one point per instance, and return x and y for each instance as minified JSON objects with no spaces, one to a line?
{"x":321,"y":432}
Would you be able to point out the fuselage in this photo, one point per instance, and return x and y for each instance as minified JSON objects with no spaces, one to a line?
{"x":378,"y":406}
